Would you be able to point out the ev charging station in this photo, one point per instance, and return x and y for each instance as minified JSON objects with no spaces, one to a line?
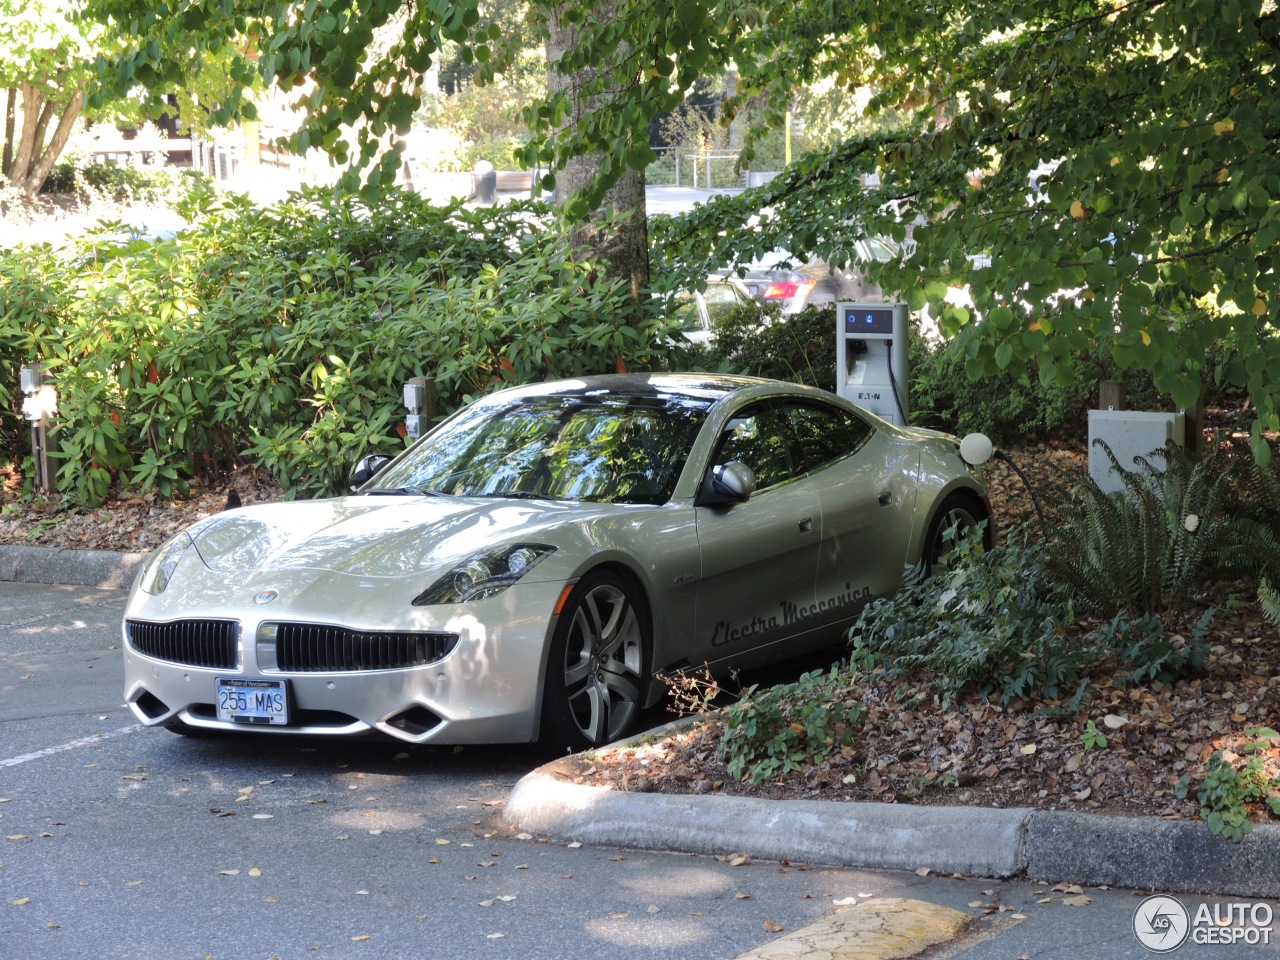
{"x":871,"y":357}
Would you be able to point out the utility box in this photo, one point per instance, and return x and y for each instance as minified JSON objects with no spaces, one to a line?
{"x":1130,"y":434}
{"x":871,"y":357}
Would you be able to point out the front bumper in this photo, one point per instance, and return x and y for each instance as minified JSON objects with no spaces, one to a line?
{"x":486,"y":688}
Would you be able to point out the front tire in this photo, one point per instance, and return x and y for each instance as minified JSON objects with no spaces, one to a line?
{"x":599,"y":664}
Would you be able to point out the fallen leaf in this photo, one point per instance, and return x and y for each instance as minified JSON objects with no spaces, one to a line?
{"x":270,"y":899}
{"x":923,"y":871}
{"x":772,"y":927}
{"x":1078,"y":901}
{"x":361,"y":938}
{"x":228,"y":873}
{"x":1115,"y":721}
{"x":21,"y":901}
{"x":255,"y":872}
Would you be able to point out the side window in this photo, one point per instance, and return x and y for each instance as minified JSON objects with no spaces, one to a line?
{"x":825,"y":433}
{"x":684,"y":311}
{"x":757,"y":436}
{"x":721,"y":298}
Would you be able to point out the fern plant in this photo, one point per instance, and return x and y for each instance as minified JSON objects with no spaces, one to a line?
{"x":1147,"y":548}
{"x":1269,"y":599}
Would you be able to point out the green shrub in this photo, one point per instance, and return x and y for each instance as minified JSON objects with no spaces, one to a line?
{"x":1228,"y":791}
{"x":1013,"y":407}
{"x":1149,"y":548}
{"x":285,"y":334}
{"x":1000,"y":623}
{"x":799,"y":347}
{"x":994,"y":623}
{"x":771,"y":732}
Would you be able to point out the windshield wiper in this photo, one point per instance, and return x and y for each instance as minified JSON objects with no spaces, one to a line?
{"x":519,"y":495}
{"x":404,"y":492}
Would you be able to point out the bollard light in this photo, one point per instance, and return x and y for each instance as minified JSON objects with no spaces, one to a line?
{"x":420,"y":401}
{"x":40,"y":401}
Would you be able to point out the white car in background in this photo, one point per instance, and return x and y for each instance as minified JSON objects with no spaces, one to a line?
{"x":697,"y":310}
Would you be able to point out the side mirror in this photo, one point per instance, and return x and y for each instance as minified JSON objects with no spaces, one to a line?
{"x":732,"y":482}
{"x":976,"y":449}
{"x":366,"y":468}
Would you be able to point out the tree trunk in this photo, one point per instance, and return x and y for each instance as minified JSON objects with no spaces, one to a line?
{"x":34,"y":158}
{"x":10,"y":120}
{"x":626,"y":253}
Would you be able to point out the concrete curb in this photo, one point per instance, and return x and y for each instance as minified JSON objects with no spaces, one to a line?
{"x":970,"y":840}
{"x":1143,"y":853}
{"x":1147,"y":853}
{"x":84,"y":568}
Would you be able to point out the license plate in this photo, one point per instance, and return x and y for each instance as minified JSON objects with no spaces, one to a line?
{"x":252,"y":701}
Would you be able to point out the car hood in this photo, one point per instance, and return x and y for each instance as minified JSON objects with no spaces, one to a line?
{"x":374,"y":536}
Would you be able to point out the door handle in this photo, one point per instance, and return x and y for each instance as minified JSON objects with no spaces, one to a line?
{"x":886,"y":498}
{"x":806,"y":525}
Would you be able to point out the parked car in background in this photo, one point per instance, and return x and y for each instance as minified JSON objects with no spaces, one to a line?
{"x":773,"y":280}
{"x":794,"y":283}
{"x":697,"y":310}
{"x":530,"y":567}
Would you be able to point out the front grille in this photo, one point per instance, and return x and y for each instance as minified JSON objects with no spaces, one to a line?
{"x":194,"y":643}
{"x":310,"y":648}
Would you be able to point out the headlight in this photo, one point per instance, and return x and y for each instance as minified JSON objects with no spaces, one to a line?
{"x":156,"y":574}
{"x":484,"y":575}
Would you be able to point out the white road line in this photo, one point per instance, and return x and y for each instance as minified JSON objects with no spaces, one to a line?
{"x":82,"y":742}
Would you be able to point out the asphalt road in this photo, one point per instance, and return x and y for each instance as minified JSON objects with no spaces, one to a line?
{"x":123,"y":841}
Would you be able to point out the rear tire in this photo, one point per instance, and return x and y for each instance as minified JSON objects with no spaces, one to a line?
{"x":599,"y":665}
{"x":957,"y":519}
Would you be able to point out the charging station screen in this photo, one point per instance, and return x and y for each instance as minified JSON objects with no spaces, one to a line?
{"x":875,"y":322}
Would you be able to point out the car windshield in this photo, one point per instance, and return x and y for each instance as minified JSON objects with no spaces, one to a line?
{"x":602,"y":448}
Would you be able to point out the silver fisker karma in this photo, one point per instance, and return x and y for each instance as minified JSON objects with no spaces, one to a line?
{"x":529,"y":568}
